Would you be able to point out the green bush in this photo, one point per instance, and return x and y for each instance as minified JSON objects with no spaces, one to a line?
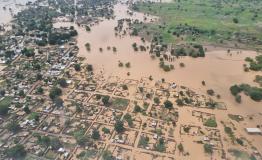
{"x":208,"y":148}
{"x":211,"y":123}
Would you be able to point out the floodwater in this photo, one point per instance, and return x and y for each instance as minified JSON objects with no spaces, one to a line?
{"x":218,"y":69}
{"x":14,"y":6}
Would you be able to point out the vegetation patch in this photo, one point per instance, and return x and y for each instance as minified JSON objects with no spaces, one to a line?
{"x":120,"y":103}
{"x":255,"y":64}
{"x":217,"y":22}
{"x":4,"y":105}
{"x":210,"y":122}
{"x":258,"y":80}
{"x":237,"y":118}
{"x":254,"y":93}
{"x":241,"y":155}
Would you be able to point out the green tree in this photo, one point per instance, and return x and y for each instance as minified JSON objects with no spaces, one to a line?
{"x":119,"y":126}
{"x":55,"y":92}
{"x":26,"y":109}
{"x":80,"y":137}
{"x":62,"y":82}
{"x":28,"y":52}
{"x":4,"y":108}
{"x":137,"y":108}
{"x":208,"y":148}
{"x":129,"y":119}
{"x":235,"y":89}
{"x":106,"y":130}
{"x":40,"y":90}
{"x":156,"y":100}
{"x":168,"y":104}
{"x":105,"y":100}
{"x":21,"y":93}
{"x":95,"y":134}
{"x":13,"y":126}
{"x":77,"y":67}
{"x":18,"y":151}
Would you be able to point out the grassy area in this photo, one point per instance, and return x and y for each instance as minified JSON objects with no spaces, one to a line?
{"x":208,"y":21}
{"x":120,"y":103}
{"x":210,"y":123}
{"x":241,"y":155}
{"x":4,"y":105}
{"x":6,"y":101}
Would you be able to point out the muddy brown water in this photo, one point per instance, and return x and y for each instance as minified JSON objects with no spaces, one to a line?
{"x":219,"y":69}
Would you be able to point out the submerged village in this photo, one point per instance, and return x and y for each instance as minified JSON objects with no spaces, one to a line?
{"x":55,"y":104}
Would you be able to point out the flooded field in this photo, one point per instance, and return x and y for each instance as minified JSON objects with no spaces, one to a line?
{"x":9,"y":8}
{"x":220,"y":69}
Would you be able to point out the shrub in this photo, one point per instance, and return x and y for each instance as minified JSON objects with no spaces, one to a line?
{"x":106,"y":130}
{"x":179,"y":102}
{"x":120,"y":64}
{"x":235,"y":90}
{"x":77,"y":67}
{"x":208,"y":148}
{"x":180,"y":147}
{"x":105,"y":100}
{"x":156,"y":100}
{"x":181,"y":64}
{"x":62,"y":82}
{"x":55,"y":92}
{"x":240,"y":141}
{"x":235,"y":20}
{"x":211,"y":123}
{"x":238,"y":98}
{"x":124,"y":87}
{"x":168,"y":104}
{"x":210,"y":92}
